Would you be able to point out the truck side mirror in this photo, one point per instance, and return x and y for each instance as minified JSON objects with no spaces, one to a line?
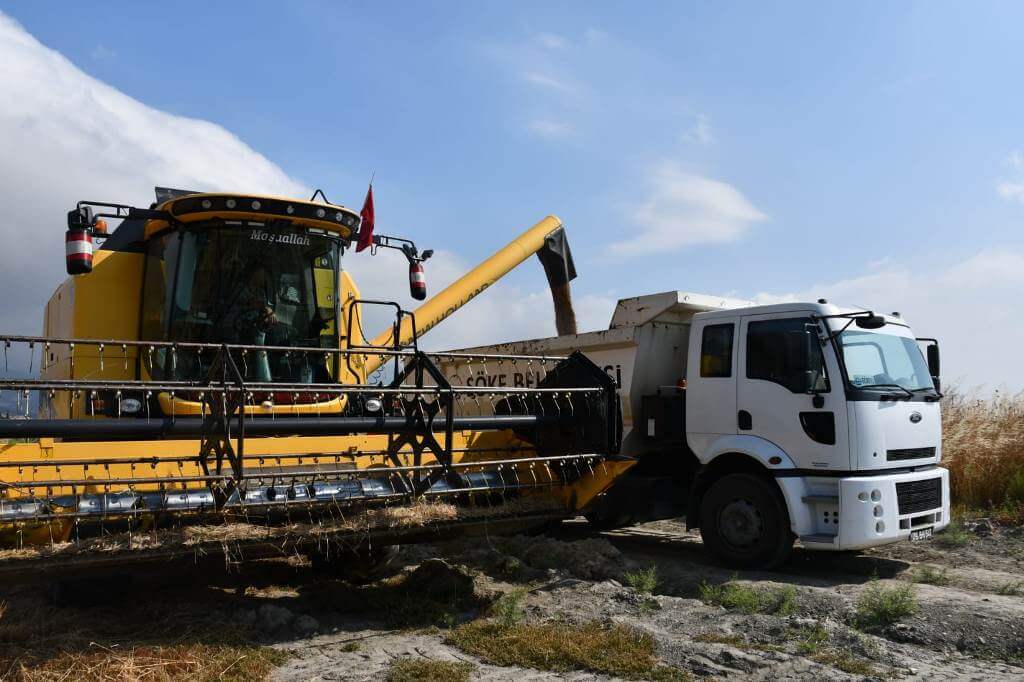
{"x":934,"y":367}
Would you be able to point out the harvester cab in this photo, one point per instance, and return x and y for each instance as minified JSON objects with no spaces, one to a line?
{"x":206,"y":365}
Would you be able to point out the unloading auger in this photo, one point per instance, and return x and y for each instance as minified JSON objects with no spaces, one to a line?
{"x":208,"y":367}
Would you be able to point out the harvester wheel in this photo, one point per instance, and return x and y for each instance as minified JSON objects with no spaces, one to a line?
{"x":359,"y":565}
{"x":743,"y":522}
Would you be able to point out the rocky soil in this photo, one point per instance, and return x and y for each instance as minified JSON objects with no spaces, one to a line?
{"x":969,"y":624}
{"x":966,"y":620}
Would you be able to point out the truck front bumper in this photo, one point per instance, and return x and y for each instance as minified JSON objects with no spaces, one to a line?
{"x":867,"y":510}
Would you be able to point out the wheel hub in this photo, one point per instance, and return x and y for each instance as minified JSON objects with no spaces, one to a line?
{"x":740,"y":524}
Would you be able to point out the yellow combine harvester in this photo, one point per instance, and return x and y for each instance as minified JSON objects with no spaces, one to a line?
{"x":206,"y":365}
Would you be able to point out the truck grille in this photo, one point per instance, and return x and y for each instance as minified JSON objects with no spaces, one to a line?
{"x":909,"y":453}
{"x":918,"y":496}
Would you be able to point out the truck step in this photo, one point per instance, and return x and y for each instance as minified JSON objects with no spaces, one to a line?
{"x":820,"y":499}
{"x":819,"y":538}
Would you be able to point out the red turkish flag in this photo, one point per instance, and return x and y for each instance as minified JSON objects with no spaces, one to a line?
{"x":366,"y":226}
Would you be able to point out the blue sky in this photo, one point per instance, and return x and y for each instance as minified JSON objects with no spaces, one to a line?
{"x":852,"y":150}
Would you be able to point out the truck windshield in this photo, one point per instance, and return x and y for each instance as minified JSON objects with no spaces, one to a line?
{"x":883,"y":360}
{"x":254,"y":285}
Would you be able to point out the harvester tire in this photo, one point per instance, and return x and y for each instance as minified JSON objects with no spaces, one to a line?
{"x":744,"y":522}
{"x":357,"y":565}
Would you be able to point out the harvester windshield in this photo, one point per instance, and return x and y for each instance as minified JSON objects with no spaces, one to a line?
{"x":272,"y":285}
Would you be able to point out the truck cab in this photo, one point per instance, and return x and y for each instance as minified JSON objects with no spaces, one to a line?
{"x":838,"y":407}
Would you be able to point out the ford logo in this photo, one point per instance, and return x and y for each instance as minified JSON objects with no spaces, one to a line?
{"x":915,"y":417}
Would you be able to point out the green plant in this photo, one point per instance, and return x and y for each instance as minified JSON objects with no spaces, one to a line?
{"x":779,"y":601}
{"x":648,"y":605}
{"x":425,"y":670}
{"x":1011,"y":589}
{"x":954,"y":535}
{"x":879,"y":605}
{"x":811,"y":640}
{"x":511,"y":567}
{"x":507,"y":610}
{"x":930,"y":575}
{"x":349,"y":647}
{"x":644,"y":581}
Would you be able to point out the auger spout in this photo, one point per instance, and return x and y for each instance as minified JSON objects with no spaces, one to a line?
{"x":547,"y":239}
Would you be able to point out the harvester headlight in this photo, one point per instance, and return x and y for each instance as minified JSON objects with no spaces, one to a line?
{"x":373,"y":405}
{"x":320,"y":213}
{"x":338,"y":216}
{"x":256,"y":205}
{"x":290,"y":209}
{"x":207,"y":203}
{"x":230,"y":203}
{"x":131,"y":406}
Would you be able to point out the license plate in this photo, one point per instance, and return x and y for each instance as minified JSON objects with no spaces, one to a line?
{"x":921,"y":534}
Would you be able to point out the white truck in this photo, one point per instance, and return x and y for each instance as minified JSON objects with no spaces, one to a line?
{"x":764,"y":423}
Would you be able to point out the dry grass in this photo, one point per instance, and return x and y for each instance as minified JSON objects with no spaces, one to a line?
{"x":736,"y":596}
{"x":152,"y":663}
{"x":617,"y":650}
{"x":425,"y":670}
{"x":983,"y":447}
{"x":162,"y":642}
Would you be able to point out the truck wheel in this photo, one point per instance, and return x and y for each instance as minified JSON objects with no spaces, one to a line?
{"x":743,"y":521}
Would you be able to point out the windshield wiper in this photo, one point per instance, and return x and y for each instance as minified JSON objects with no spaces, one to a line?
{"x":935,"y":395}
{"x":910,"y":394}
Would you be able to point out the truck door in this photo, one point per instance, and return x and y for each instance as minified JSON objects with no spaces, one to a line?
{"x":711,"y":384}
{"x":783,"y":375}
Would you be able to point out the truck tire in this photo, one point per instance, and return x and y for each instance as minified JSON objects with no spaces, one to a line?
{"x":744,"y":523}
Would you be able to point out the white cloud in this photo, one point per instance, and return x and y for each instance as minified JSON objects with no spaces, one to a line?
{"x":700,"y":132}
{"x":551,"y":129}
{"x":684,"y":209}
{"x":1013,"y":189}
{"x":969,"y":306}
{"x":545,"y":80}
{"x":552,"y":41}
{"x":66,"y":136}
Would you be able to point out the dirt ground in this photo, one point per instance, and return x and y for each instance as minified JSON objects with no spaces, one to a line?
{"x":968,"y":592}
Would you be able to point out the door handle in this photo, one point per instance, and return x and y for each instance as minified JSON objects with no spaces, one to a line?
{"x":744,"y":421}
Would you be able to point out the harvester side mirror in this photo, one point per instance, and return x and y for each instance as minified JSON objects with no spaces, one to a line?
{"x":80,"y":218}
